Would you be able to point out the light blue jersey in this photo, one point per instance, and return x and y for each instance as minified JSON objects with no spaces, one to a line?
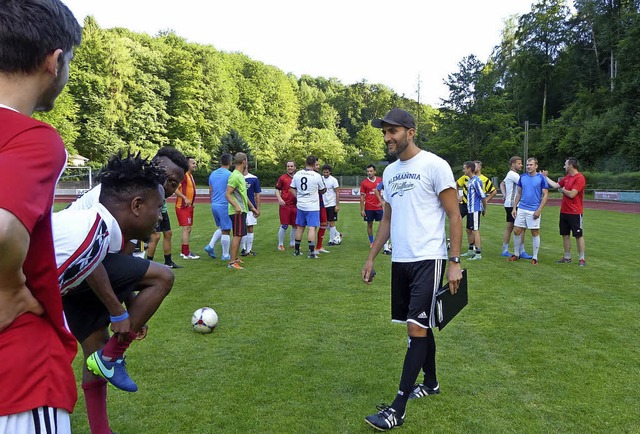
{"x":218,"y":182}
{"x":532,"y":187}
{"x":475,"y":194}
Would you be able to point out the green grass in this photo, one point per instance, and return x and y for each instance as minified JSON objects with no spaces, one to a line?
{"x":305,"y":347}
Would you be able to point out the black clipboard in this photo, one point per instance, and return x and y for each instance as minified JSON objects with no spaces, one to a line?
{"x":447,"y":305}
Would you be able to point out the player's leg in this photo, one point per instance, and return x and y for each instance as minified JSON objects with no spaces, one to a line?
{"x":94,"y":387}
{"x":508,"y":230}
{"x":475,"y":219}
{"x":577,"y":231}
{"x":152,"y":245}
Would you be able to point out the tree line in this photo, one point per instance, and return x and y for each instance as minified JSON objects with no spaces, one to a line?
{"x":572,"y":73}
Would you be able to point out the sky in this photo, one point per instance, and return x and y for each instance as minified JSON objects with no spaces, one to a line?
{"x":419,"y":43}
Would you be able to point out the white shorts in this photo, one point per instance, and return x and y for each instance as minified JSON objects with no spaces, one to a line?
{"x":41,"y":420}
{"x":524,"y":219}
{"x":251,"y":219}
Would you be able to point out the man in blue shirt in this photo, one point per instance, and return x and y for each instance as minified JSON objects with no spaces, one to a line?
{"x":220,"y":208}
{"x":533,"y":191}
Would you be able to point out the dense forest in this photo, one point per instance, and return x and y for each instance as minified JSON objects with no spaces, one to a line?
{"x":564,"y":80}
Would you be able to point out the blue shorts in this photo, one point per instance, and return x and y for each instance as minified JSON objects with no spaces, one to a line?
{"x":308,"y":218}
{"x":373,"y":215}
{"x":221,"y":216}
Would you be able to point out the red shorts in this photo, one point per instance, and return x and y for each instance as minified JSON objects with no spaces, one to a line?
{"x":185,"y":216}
{"x":288,"y":215}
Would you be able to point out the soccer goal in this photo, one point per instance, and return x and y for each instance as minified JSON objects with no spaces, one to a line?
{"x":75,"y":180}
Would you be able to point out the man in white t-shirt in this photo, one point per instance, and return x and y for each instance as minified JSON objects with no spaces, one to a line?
{"x":331,"y":199}
{"x":307,"y":185}
{"x":419,"y":191}
{"x":509,"y":189}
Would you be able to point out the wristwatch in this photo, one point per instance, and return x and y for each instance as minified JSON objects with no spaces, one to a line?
{"x":455,"y":259}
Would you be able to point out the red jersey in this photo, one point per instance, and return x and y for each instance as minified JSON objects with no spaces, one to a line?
{"x":283,"y":184}
{"x":368,"y":189}
{"x":188,"y":188}
{"x":36,"y":352}
{"x":575,"y":182}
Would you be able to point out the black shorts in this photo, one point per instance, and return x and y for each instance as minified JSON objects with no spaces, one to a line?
{"x":164,"y":225}
{"x":473,"y":221}
{"x":571,"y":223}
{"x":509,"y":210}
{"x":239,"y":224}
{"x":332,"y":214}
{"x":413,"y":291}
{"x":372,"y":215}
{"x":85,"y":312}
{"x":463,"y":209}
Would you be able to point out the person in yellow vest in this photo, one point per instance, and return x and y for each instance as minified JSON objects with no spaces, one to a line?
{"x":186,"y":196}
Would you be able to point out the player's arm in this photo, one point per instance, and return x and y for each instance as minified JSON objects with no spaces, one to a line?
{"x":550,"y":181}
{"x":232,"y":200}
{"x":335,"y":188}
{"x":256,"y":196}
{"x":503,"y":189}
{"x":516,"y":202}
{"x":100,"y":284}
{"x":184,"y":198}
{"x":279,"y":195}
{"x":15,"y":297}
{"x":543,"y":202}
{"x":492,"y":193}
{"x":362,"y":200}
{"x":449,"y":200}
{"x":382,"y":236}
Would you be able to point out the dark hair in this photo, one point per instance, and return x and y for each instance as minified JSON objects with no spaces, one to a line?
{"x":311,"y":160}
{"x":371,"y":165}
{"x":573,"y":162}
{"x":174,"y":155}
{"x":30,"y":30}
{"x":126,"y":177}
{"x":225,"y":160}
{"x":471,"y":165}
{"x":327,"y":167}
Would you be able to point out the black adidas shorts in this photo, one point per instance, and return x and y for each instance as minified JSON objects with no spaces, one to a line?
{"x":164,"y":225}
{"x":413,"y":291}
{"x":85,"y":312}
{"x":571,"y":223}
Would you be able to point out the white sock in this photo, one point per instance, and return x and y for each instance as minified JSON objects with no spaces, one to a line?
{"x":226,"y":243}
{"x":292,"y":237}
{"x":243,"y":243}
{"x":249,"y":241}
{"x":332,"y":232}
{"x":517,"y":246}
{"x":215,"y":238}
{"x":505,"y":247}
{"x":281,"y":233}
{"x":536,"y":246}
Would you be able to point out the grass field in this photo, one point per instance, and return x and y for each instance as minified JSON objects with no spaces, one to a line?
{"x":305,"y":347}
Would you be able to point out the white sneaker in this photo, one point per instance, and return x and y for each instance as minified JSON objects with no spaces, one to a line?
{"x":189,"y":256}
{"x":322,"y":251}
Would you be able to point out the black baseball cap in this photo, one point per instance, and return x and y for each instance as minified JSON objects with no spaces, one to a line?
{"x":395,"y":116}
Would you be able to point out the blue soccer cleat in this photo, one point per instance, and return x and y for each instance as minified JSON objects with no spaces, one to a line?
{"x":525,"y":255}
{"x":210,"y":251}
{"x":115,"y":372}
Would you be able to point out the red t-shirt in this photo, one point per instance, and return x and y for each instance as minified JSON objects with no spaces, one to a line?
{"x":575,"y":182}
{"x":36,"y":352}
{"x":368,"y":188}
{"x":283,"y":184}
{"x":188,"y":188}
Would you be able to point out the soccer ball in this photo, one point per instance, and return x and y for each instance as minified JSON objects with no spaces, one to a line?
{"x":337,"y":239}
{"x":204,"y":320}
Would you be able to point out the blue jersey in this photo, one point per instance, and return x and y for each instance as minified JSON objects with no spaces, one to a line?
{"x":218,"y":183}
{"x":475,"y":194}
{"x":253,"y":188}
{"x":532,"y":187}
